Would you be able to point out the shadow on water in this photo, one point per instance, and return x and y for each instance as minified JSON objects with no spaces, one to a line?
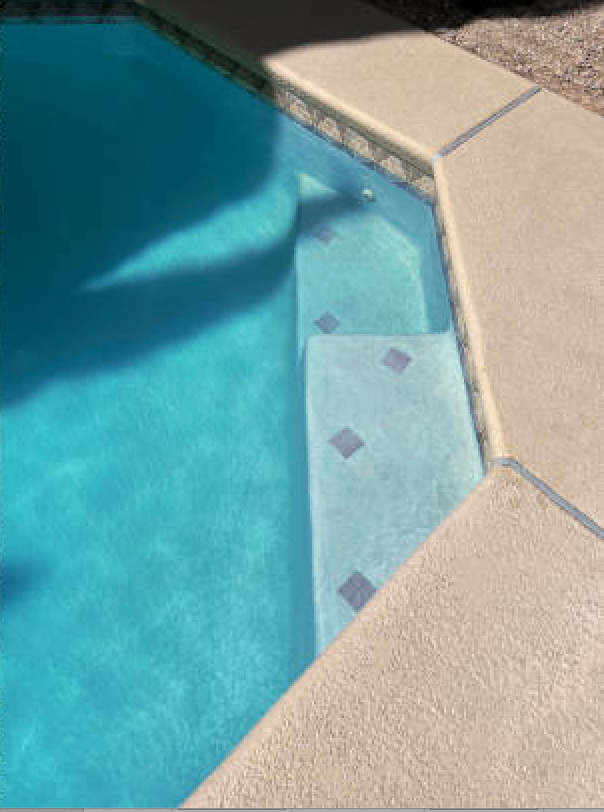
{"x":17,"y":579}
{"x":109,"y":177}
{"x":75,"y":332}
{"x":90,"y":185}
{"x":108,"y":180}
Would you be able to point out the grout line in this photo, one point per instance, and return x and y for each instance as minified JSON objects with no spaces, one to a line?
{"x":457,"y":142}
{"x":508,"y":462}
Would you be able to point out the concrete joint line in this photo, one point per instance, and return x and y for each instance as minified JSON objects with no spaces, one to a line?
{"x":457,"y":142}
{"x":508,"y":462}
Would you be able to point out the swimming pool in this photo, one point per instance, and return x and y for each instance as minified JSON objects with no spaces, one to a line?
{"x":171,"y":242}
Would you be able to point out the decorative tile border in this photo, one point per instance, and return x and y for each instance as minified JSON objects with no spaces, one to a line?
{"x":468,"y":362}
{"x":362,"y":146}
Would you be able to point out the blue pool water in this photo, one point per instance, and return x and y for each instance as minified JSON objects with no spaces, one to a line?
{"x":168,"y":244}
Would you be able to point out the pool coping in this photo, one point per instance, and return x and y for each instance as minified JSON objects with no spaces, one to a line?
{"x":548,"y":485}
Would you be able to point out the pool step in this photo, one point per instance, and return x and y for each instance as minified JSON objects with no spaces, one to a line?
{"x":359,"y":272}
{"x":391,"y":451}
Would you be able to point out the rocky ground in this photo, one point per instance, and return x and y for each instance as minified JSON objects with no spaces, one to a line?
{"x":558,"y":44}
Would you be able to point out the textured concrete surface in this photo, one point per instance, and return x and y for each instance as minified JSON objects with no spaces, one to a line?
{"x":475,"y":677}
{"x":558,"y":44}
{"x":412,"y":89}
{"x":524,"y":206}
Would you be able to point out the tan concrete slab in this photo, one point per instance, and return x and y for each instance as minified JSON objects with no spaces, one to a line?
{"x":411,"y":89}
{"x":474,"y":678}
{"x":524,"y":206}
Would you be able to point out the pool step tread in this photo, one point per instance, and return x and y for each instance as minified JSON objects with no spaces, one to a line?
{"x":391,"y":452}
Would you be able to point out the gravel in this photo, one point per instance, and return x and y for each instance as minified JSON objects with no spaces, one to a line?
{"x":558,"y":44}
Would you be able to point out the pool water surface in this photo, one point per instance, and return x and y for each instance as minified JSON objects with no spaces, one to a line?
{"x":170,"y":244}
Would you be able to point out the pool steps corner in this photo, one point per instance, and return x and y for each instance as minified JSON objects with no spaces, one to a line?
{"x":405,"y":169}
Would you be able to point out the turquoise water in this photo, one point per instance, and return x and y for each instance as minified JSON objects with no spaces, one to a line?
{"x":161,"y":272}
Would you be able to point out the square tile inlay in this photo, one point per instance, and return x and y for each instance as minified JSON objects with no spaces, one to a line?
{"x":347,"y":442}
{"x":397,"y":360}
{"x":325,"y":234}
{"x":327,"y":323}
{"x":357,"y":590}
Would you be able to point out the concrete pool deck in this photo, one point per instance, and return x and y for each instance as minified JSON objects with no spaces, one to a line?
{"x":475,"y":677}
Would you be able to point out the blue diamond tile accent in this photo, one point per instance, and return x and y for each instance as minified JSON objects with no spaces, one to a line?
{"x":397,"y":360}
{"x":327,"y":323}
{"x":357,"y":590}
{"x":325,"y":234}
{"x":347,"y":442}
